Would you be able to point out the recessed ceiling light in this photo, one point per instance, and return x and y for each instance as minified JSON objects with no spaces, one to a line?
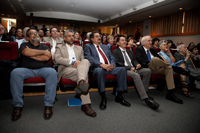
{"x":130,"y":21}
{"x":180,"y":8}
{"x":72,"y":5}
{"x":2,"y":14}
{"x":116,"y":24}
{"x":150,"y":16}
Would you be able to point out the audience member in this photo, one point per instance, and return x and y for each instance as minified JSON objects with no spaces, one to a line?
{"x":125,"y":58}
{"x":131,"y":44}
{"x":53,"y":40}
{"x":77,"y":37}
{"x":75,"y":69}
{"x":179,"y":43}
{"x":18,"y":34}
{"x":104,"y":39}
{"x":104,"y":63}
{"x":155,"y":42}
{"x":149,"y":58}
{"x":110,"y":39}
{"x":168,"y":58}
{"x":3,"y":37}
{"x":47,"y":33}
{"x":41,"y":35}
{"x":34,"y":63}
{"x":44,"y":29}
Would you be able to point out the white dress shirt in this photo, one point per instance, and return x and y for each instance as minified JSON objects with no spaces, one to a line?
{"x":71,"y":53}
{"x":53,"y":49}
{"x":149,"y":52}
{"x":125,"y":63}
{"x":100,"y":57}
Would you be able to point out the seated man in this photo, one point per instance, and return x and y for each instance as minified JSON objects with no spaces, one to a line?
{"x":3,"y":37}
{"x":149,"y":58}
{"x":125,"y":58}
{"x":35,"y":63}
{"x":41,"y":34}
{"x":18,"y":34}
{"x":72,"y":65}
{"x":53,"y":40}
{"x":104,"y":63}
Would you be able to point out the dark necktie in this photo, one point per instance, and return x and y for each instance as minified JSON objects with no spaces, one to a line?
{"x":148,"y":55}
{"x":126,"y":59}
{"x":102,"y":54}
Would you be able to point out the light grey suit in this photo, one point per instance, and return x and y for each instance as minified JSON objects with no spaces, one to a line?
{"x":67,"y":71}
{"x":49,"y":40}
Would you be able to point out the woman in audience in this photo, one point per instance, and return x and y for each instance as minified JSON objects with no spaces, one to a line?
{"x":104,"y":39}
{"x":155,"y":42}
{"x":131,"y":44}
{"x":191,"y":44}
{"x":77,"y":37}
{"x":168,"y":58}
{"x":110,"y":39}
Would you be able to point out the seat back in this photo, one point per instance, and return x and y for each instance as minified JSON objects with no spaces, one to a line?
{"x":113,"y":48}
{"x":8,"y":50}
{"x":77,"y":42}
{"x":50,"y":61}
{"x":86,"y":42}
{"x":105,"y":43}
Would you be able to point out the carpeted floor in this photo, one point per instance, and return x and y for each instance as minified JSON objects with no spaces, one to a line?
{"x":139,"y":118}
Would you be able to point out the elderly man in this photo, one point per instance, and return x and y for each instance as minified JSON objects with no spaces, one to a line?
{"x":3,"y":37}
{"x":53,"y":40}
{"x":104,"y":63}
{"x":125,"y":58}
{"x":35,"y":63}
{"x":149,"y":58}
{"x":72,"y":65}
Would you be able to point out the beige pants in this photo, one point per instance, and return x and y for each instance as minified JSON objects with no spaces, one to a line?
{"x":158,"y":66}
{"x":78,"y":74}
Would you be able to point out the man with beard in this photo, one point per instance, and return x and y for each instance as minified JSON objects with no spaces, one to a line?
{"x":72,"y":65}
{"x":41,"y":35}
{"x":35,"y":63}
{"x":3,"y":37}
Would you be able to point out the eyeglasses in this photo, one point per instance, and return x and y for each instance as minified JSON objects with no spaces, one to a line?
{"x":149,"y":40}
{"x":97,"y":36}
{"x":32,"y":33}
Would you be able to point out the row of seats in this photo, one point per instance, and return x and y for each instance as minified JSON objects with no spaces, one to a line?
{"x":9,"y":51}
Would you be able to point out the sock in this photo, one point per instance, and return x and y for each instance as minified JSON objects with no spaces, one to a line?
{"x":146,"y":99}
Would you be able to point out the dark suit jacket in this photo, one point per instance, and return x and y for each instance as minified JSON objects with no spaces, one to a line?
{"x":141,"y":55}
{"x":120,"y":59}
{"x":5,"y":38}
{"x":91,"y":54}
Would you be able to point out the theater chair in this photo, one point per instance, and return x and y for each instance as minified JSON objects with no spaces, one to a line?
{"x":105,"y":43}
{"x":8,"y":50}
{"x":77,"y":42}
{"x":86,"y":42}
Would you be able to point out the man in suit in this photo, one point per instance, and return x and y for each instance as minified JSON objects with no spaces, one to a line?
{"x":3,"y":37}
{"x":125,"y":58}
{"x":72,"y":65}
{"x":149,"y":58}
{"x":104,"y":63}
{"x":53,"y":40}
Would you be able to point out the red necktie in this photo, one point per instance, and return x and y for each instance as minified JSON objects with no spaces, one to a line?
{"x":102,"y":54}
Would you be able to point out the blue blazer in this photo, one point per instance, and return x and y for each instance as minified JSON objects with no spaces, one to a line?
{"x":91,"y":54}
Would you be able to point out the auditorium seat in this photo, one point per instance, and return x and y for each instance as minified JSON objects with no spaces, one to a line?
{"x":105,"y":43}
{"x":86,"y":42}
{"x":8,"y":50}
{"x":77,"y":42}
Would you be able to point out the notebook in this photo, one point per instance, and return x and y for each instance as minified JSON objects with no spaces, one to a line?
{"x":74,"y":102}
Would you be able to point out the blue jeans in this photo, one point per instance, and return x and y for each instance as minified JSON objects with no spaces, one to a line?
{"x":17,"y":77}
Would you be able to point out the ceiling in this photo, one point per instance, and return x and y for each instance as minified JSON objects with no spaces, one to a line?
{"x":108,"y":12}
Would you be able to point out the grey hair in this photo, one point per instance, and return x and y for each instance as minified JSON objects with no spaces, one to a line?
{"x":160,"y":43}
{"x":88,"y":35}
{"x":179,"y":46}
{"x":65,"y":33}
{"x":143,"y":38}
{"x":26,"y":28}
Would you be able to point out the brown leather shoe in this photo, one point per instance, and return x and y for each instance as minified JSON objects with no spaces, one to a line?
{"x":88,"y":110}
{"x":16,"y":113}
{"x":48,"y":112}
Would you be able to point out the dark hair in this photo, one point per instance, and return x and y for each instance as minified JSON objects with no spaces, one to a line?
{"x":154,"y":40}
{"x":129,"y":36}
{"x":190,"y":44}
{"x":27,"y":35}
{"x":169,"y":41}
{"x":120,"y":37}
{"x":52,"y":28}
{"x":92,"y":36}
{"x":102,"y":38}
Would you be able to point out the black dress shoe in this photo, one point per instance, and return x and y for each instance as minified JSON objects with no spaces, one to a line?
{"x":120,"y":99}
{"x":151,"y":98}
{"x":173,"y":98}
{"x":103,"y":103}
{"x":181,"y":70}
{"x":16,"y":113}
{"x":48,"y":112}
{"x":152,"y":104}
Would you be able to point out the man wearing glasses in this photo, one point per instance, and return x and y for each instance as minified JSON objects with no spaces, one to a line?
{"x":35,"y":63}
